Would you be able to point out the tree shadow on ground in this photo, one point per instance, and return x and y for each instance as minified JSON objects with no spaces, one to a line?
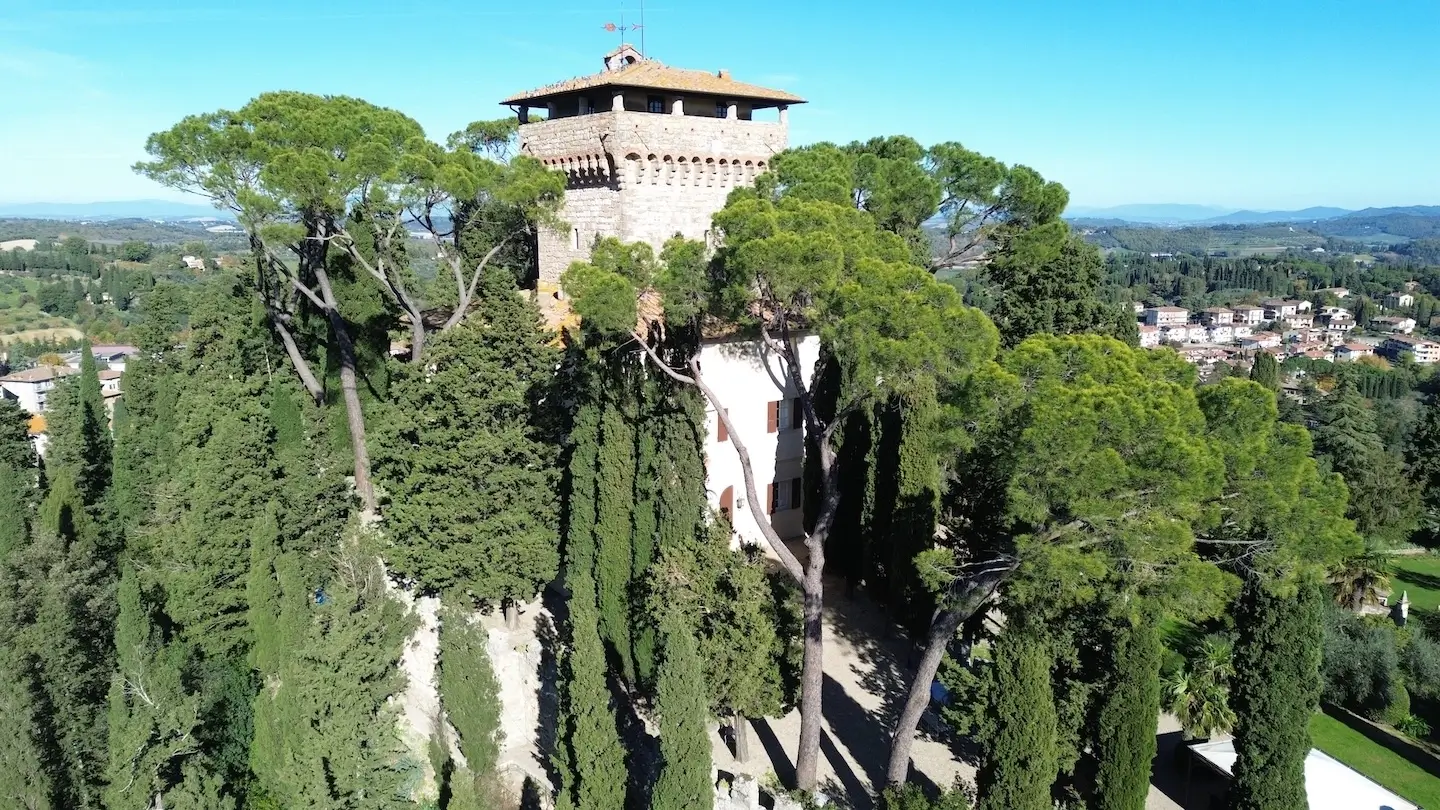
{"x":547,"y":731}
{"x":774,"y":751}
{"x":1427,"y":581}
{"x":884,"y":669}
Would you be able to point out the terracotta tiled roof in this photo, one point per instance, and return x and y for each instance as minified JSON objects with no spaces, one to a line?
{"x":653,"y":75}
{"x":40,"y":374}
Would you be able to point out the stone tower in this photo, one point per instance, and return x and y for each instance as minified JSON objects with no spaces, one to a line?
{"x":650,"y":150}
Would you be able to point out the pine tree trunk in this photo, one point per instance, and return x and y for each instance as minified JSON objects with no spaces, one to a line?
{"x":354,"y":416}
{"x":740,"y":730}
{"x":973,"y":596}
{"x":941,"y":631}
{"x":350,"y":394}
{"x":417,"y":337}
{"x":812,"y":679}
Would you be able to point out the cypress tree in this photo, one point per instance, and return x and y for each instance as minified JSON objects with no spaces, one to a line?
{"x":614,"y":525}
{"x":1275,"y":691}
{"x":684,"y":780}
{"x":1020,"y":758}
{"x":26,"y":760}
{"x":580,"y":489}
{"x":152,"y":716}
{"x":325,"y":733}
{"x":916,"y":511}
{"x":70,"y":636}
{"x":1266,"y":371}
{"x":677,"y":481}
{"x":591,"y":759}
{"x":645,"y":516}
{"x":79,"y":431}
{"x":1128,"y":714}
{"x":16,"y":449}
{"x":1422,"y":455}
{"x":471,"y":469}
{"x":469,"y":692}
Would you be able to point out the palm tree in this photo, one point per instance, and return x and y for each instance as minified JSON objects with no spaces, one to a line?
{"x":1359,"y":580}
{"x":1198,"y":694}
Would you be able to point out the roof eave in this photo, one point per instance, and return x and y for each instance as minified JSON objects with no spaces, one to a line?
{"x":540,"y":96}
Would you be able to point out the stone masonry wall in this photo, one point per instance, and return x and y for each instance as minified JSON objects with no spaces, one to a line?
{"x":644,"y":176}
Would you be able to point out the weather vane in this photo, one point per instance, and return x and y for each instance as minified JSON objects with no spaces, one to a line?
{"x":622,"y":27}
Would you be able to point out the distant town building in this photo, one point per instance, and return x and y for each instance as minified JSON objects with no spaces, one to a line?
{"x":1217,"y":315}
{"x":1245,"y":313}
{"x":1338,"y":292}
{"x":31,"y":388}
{"x":1399,"y":300}
{"x":1167,"y":316}
{"x":1425,"y":352}
{"x":1393,"y":323}
{"x":1221,"y":333}
{"x":1353,"y":351}
{"x":1260,"y":340}
{"x":106,"y":356}
{"x":1149,"y":336}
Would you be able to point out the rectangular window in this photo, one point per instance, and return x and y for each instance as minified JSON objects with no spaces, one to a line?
{"x":788,"y":415}
{"x":786,"y":495}
{"x":656,"y":104}
{"x":722,"y":109}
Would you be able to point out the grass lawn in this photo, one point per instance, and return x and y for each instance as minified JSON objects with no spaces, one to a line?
{"x":1375,"y":761}
{"x":1420,"y":577}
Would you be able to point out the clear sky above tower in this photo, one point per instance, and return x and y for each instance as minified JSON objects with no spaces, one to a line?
{"x":1275,"y":104}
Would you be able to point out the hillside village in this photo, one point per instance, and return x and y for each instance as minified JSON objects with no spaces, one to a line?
{"x":1312,"y":328}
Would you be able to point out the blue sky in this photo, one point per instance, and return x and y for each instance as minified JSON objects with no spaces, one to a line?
{"x":1242,"y":103}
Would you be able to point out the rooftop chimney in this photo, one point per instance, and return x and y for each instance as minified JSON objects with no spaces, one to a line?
{"x":723,"y":73}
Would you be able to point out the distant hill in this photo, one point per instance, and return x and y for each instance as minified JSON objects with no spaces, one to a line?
{"x":1258,"y":217}
{"x":120,"y":209}
{"x":1160,"y":214}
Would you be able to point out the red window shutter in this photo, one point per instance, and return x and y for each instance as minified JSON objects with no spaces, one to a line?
{"x":772,"y":416}
{"x":727,"y":502}
{"x":721,"y":433}
{"x":770,"y":499}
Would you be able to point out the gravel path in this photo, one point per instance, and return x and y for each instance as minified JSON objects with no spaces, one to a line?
{"x":866,"y":677}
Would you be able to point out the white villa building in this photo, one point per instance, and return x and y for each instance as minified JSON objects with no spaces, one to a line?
{"x":766,"y":416}
{"x":30,"y":388}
